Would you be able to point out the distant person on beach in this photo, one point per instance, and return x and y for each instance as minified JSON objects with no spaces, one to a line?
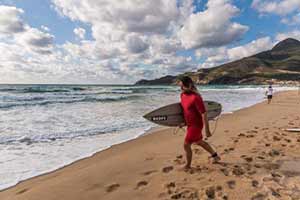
{"x":195,"y":118}
{"x":269,"y":94}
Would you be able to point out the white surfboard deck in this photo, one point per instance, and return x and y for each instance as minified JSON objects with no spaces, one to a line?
{"x":293,"y":130}
{"x":172,"y":115}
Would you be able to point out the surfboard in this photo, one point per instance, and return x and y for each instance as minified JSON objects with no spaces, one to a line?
{"x":293,"y":130}
{"x":172,"y":114}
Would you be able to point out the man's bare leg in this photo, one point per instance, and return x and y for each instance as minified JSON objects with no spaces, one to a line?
{"x":209,"y":149}
{"x":188,"y":154}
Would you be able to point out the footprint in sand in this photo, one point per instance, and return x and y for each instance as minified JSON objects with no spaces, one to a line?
{"x":186,"y":194}
{"x":179,"y":156}
{"x":112,"y":187}
{"x":288,"y":140}
{"x":170,"y":185}
{"x":182,"y":193}
{"x":248,"y":167}
{"x":271,"y":166}
{"x":231,"y":184}
{"x":238,"y":171}
{"x":167,"y":169}
{"x":259,"y":196}
{"x":276,"y":175}
{"x":179,"y":160}
{"x":252,"y":172}
{"x":210,"y":192}
{"x":149,"y":172}
{"x":250,"y":136}
{"x":255,"y":183}
{"x":149,"y":158}
{"x":226,"y":150}
{"x":274,"y":153}
{"x":277,"y":133}
{"x":248,"y":159}
{"x":257,"y":166}
{"x":275,"y":193}
{"x":141,"y":184}
{"x":22,"y":191}
{"x":241,"y":135}
{"x":225,"y":171}
{"x":252,"y":131}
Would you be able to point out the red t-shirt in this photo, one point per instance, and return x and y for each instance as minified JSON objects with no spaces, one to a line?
{"x":193,"y":108}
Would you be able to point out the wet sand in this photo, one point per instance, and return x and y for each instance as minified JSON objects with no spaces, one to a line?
{"x":260,"y":160}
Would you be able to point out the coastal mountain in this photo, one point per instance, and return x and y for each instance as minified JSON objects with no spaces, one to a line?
{"x":279,"y":65}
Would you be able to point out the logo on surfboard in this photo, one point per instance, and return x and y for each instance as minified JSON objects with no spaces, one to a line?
{"x":160,"y":118}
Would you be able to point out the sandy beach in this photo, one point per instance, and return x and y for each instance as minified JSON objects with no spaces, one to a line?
{"x":259,"y":161}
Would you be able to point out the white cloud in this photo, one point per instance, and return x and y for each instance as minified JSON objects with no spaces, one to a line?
{"x":279,"y":7}
{"x":222,"y":55}
{"x":129,"y":16}
{"x":36,"y":40}
{"x":292,"y":34}
{"x":292,"y":21}
{"x":163,"y":45}
{"x":79,"y":32}
{"x":136,"y":44}
{"x":25,"y":51}
{"x":256,"y":46}
{"x":212,"y":27}
{"x":132,"y":33}
{"x":45,"y":28}
{"x":15,"y":30}
{"x":10,"y":20}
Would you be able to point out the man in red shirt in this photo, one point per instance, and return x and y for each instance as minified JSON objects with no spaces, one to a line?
{"x":195,"y":118}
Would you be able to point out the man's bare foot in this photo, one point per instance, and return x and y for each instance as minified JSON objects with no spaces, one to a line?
{"x":185,"y":168}
{"x":216,"y":159}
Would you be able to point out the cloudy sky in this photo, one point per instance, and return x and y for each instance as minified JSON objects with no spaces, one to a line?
{"x":114,"y":41}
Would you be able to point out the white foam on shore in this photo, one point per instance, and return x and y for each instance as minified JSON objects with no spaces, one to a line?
{"x":81,"y":144}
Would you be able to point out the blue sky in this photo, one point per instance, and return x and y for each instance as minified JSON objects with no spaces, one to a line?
{"x":93,"y":42}
{"x":41,"y":13}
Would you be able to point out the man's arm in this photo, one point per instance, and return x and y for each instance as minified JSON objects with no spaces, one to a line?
{"x":206,"y":124}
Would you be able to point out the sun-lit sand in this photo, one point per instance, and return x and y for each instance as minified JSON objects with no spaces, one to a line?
{"x":259,"y":161}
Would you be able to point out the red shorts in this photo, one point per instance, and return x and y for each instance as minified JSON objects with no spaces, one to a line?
{"x":193,"y":134}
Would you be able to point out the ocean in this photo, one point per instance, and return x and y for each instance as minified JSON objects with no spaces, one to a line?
{"x":45,"y":127}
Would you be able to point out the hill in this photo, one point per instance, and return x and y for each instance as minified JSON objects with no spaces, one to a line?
{"x":281,"y":64}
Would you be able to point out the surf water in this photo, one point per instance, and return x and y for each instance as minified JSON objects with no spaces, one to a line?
{"x":45,"y":127}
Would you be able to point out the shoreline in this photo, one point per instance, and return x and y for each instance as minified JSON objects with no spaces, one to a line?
{"x":144,"y":138}
{"x":148,"y":131}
